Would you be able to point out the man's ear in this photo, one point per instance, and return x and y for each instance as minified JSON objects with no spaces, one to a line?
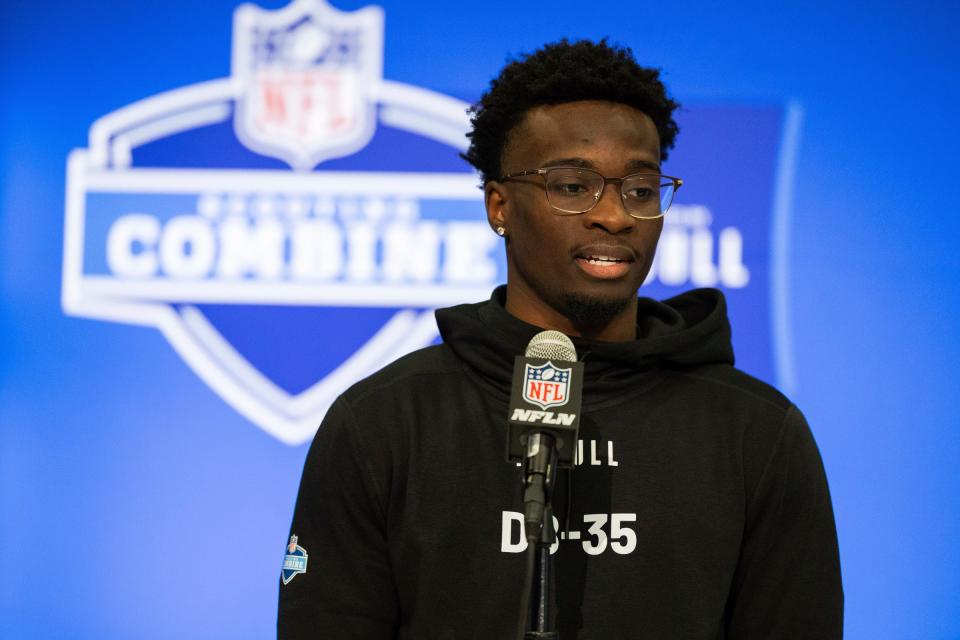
{"x":495,"y":200}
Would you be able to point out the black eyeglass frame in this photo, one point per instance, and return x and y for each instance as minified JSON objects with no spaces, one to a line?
{"x":543,"y":171}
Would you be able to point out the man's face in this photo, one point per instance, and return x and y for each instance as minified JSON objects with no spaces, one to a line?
{"x":585,"y":267}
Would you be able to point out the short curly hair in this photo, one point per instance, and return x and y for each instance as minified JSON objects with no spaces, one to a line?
{"x":563,"y":72}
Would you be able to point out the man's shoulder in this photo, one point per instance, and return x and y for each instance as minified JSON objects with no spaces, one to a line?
{"x":727,"y":383}
{"x":756,"y":413}
{"x":420,"y":368}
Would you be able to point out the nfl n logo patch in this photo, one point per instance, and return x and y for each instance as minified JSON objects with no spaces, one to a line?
{"x":294,"y":561}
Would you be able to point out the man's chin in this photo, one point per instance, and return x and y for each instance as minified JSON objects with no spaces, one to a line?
{"x":593,"y":311}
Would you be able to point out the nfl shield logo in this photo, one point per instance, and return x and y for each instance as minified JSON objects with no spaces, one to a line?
{"x":306,"y":71}
{"x":546,"y":385}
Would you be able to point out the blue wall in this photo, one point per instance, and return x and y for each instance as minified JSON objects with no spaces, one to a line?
{"x":125,"y":512}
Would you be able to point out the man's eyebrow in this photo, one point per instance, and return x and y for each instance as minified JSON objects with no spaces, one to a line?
{"x":643,"y":164}
{"x":569,"y":162}
{"x":632,"y":165}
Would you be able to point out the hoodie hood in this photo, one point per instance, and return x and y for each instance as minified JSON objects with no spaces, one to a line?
{"x":688,"y":330}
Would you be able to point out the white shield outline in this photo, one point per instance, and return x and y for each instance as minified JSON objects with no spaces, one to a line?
{"x":306,"y":156}
{"x":291,"y":418}
{"x":526,"y":372}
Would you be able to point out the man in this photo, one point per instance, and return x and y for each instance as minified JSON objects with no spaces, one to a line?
{"x":700,"y":511}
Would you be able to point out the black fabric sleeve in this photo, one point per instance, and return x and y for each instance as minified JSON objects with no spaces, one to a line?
{"x":787,"y":583}
{"x":347,"y":591}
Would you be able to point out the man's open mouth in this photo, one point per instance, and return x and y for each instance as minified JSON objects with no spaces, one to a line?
{"x":605,"y":261}
{"x":601,"y":260}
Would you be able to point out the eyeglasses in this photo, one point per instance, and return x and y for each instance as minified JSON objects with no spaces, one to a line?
{"x":572,"y":190}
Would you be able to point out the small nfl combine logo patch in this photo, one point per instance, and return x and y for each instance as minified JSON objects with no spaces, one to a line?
{"x":546,"y":385}
{"x":294,"y":562}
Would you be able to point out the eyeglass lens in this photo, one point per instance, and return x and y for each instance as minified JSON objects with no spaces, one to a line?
{"x":573,"y":190}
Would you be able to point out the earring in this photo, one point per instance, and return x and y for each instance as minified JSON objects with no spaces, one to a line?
{"x":501,"y":231}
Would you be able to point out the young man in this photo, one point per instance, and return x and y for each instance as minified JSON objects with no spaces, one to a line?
{"x":700,"y":511}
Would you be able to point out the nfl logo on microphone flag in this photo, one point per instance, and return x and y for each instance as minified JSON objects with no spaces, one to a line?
{"x":546,"y":386}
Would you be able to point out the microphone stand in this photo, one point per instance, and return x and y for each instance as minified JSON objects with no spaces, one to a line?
{"x":541,"y":612}
{"x":539,"y":481}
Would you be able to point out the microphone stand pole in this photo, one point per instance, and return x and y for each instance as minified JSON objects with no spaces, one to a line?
{"x":541,"y":612}
{"x":539,"y":483}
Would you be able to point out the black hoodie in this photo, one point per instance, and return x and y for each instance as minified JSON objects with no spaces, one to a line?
{"x":699,"y":509}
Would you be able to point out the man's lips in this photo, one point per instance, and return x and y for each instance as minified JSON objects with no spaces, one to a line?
{"x":605,"y":261}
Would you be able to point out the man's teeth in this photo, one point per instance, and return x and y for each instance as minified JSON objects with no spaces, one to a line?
{"x":601,"y":260}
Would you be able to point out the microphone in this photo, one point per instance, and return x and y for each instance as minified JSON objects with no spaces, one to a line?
{"x":544,"y":419}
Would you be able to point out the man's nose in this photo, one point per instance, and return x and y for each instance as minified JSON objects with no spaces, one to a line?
{"x":609,"y":213}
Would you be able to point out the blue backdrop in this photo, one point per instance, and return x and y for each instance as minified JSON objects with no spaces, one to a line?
{"x":136,"y":501}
